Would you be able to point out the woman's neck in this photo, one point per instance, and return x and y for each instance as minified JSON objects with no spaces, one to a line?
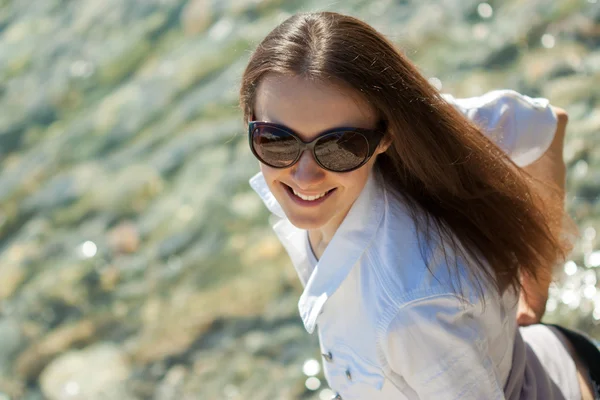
{"x":320,"y":238}
{"x":317,"y":243}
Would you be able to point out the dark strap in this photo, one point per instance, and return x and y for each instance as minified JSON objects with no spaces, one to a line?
{"x":586,"y":349}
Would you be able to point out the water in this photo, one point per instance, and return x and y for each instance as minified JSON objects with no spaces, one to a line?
{"x":134,"y":255}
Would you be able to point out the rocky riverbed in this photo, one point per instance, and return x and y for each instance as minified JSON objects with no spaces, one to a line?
{"x":136,"y":262}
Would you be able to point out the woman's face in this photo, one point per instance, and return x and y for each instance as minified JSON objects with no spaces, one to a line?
{"x":310,"y":108}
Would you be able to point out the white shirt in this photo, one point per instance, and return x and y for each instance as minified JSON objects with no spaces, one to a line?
{"x":388,"y":329}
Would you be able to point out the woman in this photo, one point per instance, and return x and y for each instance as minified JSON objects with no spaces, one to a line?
{"x":409,"y":229}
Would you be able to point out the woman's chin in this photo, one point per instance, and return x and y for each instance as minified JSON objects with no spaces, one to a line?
{"x":306,"y":223}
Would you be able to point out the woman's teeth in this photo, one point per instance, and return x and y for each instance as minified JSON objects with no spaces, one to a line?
{"x":309,"y":198}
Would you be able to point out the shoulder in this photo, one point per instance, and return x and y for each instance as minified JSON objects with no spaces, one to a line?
{"x":402,"y":265}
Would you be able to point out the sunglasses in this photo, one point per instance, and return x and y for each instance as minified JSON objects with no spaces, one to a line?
{"x":336,"y":150}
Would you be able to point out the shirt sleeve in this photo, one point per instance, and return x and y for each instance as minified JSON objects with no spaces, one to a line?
{"x":439,"y":349}
{"x":521,"y":125}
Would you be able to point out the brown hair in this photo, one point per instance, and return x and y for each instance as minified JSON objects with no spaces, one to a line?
{"x":476,"y":199}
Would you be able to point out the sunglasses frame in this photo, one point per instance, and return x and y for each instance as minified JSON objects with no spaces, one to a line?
{"x":373,"y":138}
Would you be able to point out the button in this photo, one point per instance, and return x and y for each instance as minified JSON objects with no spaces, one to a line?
{"x":348,"y":375}
{"x":337,"y":397}
{"x":328,"y":356}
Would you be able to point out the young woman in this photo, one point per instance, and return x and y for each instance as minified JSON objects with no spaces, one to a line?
{"x":410,"y":230}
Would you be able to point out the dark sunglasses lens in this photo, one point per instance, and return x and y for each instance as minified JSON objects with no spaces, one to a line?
{"x":274,"y":147}
{"x":342,"y":151}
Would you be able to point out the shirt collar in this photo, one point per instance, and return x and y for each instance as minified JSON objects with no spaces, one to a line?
{"x":346,"y":247}
{"x":258,"y":183}
{"x":293,"y":239}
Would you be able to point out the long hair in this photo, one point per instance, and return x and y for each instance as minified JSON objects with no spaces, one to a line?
{"x":475,"y":199}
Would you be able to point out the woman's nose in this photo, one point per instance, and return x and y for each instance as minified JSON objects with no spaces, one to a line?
{"x":306,"y":171}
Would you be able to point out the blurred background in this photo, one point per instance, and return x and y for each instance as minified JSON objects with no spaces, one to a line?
{"x":136,"y":262}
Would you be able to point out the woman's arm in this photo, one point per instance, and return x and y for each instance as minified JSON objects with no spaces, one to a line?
{"x":550,"y":168}
{"x":549,"y":173}
{"x":531,"y":132}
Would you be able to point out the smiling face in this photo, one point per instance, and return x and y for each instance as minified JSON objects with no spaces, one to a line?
{"x":311,"y":197}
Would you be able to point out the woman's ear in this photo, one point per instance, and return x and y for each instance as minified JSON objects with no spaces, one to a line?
{"x":385,"y":143}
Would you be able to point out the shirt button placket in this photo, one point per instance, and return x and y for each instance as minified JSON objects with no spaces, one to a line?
{"x":329,"y":358}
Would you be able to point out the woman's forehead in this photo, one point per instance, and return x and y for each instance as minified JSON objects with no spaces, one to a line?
{"x":309,"y":106}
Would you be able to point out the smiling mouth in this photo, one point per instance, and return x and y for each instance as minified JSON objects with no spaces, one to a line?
{"x":307,"y":198}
